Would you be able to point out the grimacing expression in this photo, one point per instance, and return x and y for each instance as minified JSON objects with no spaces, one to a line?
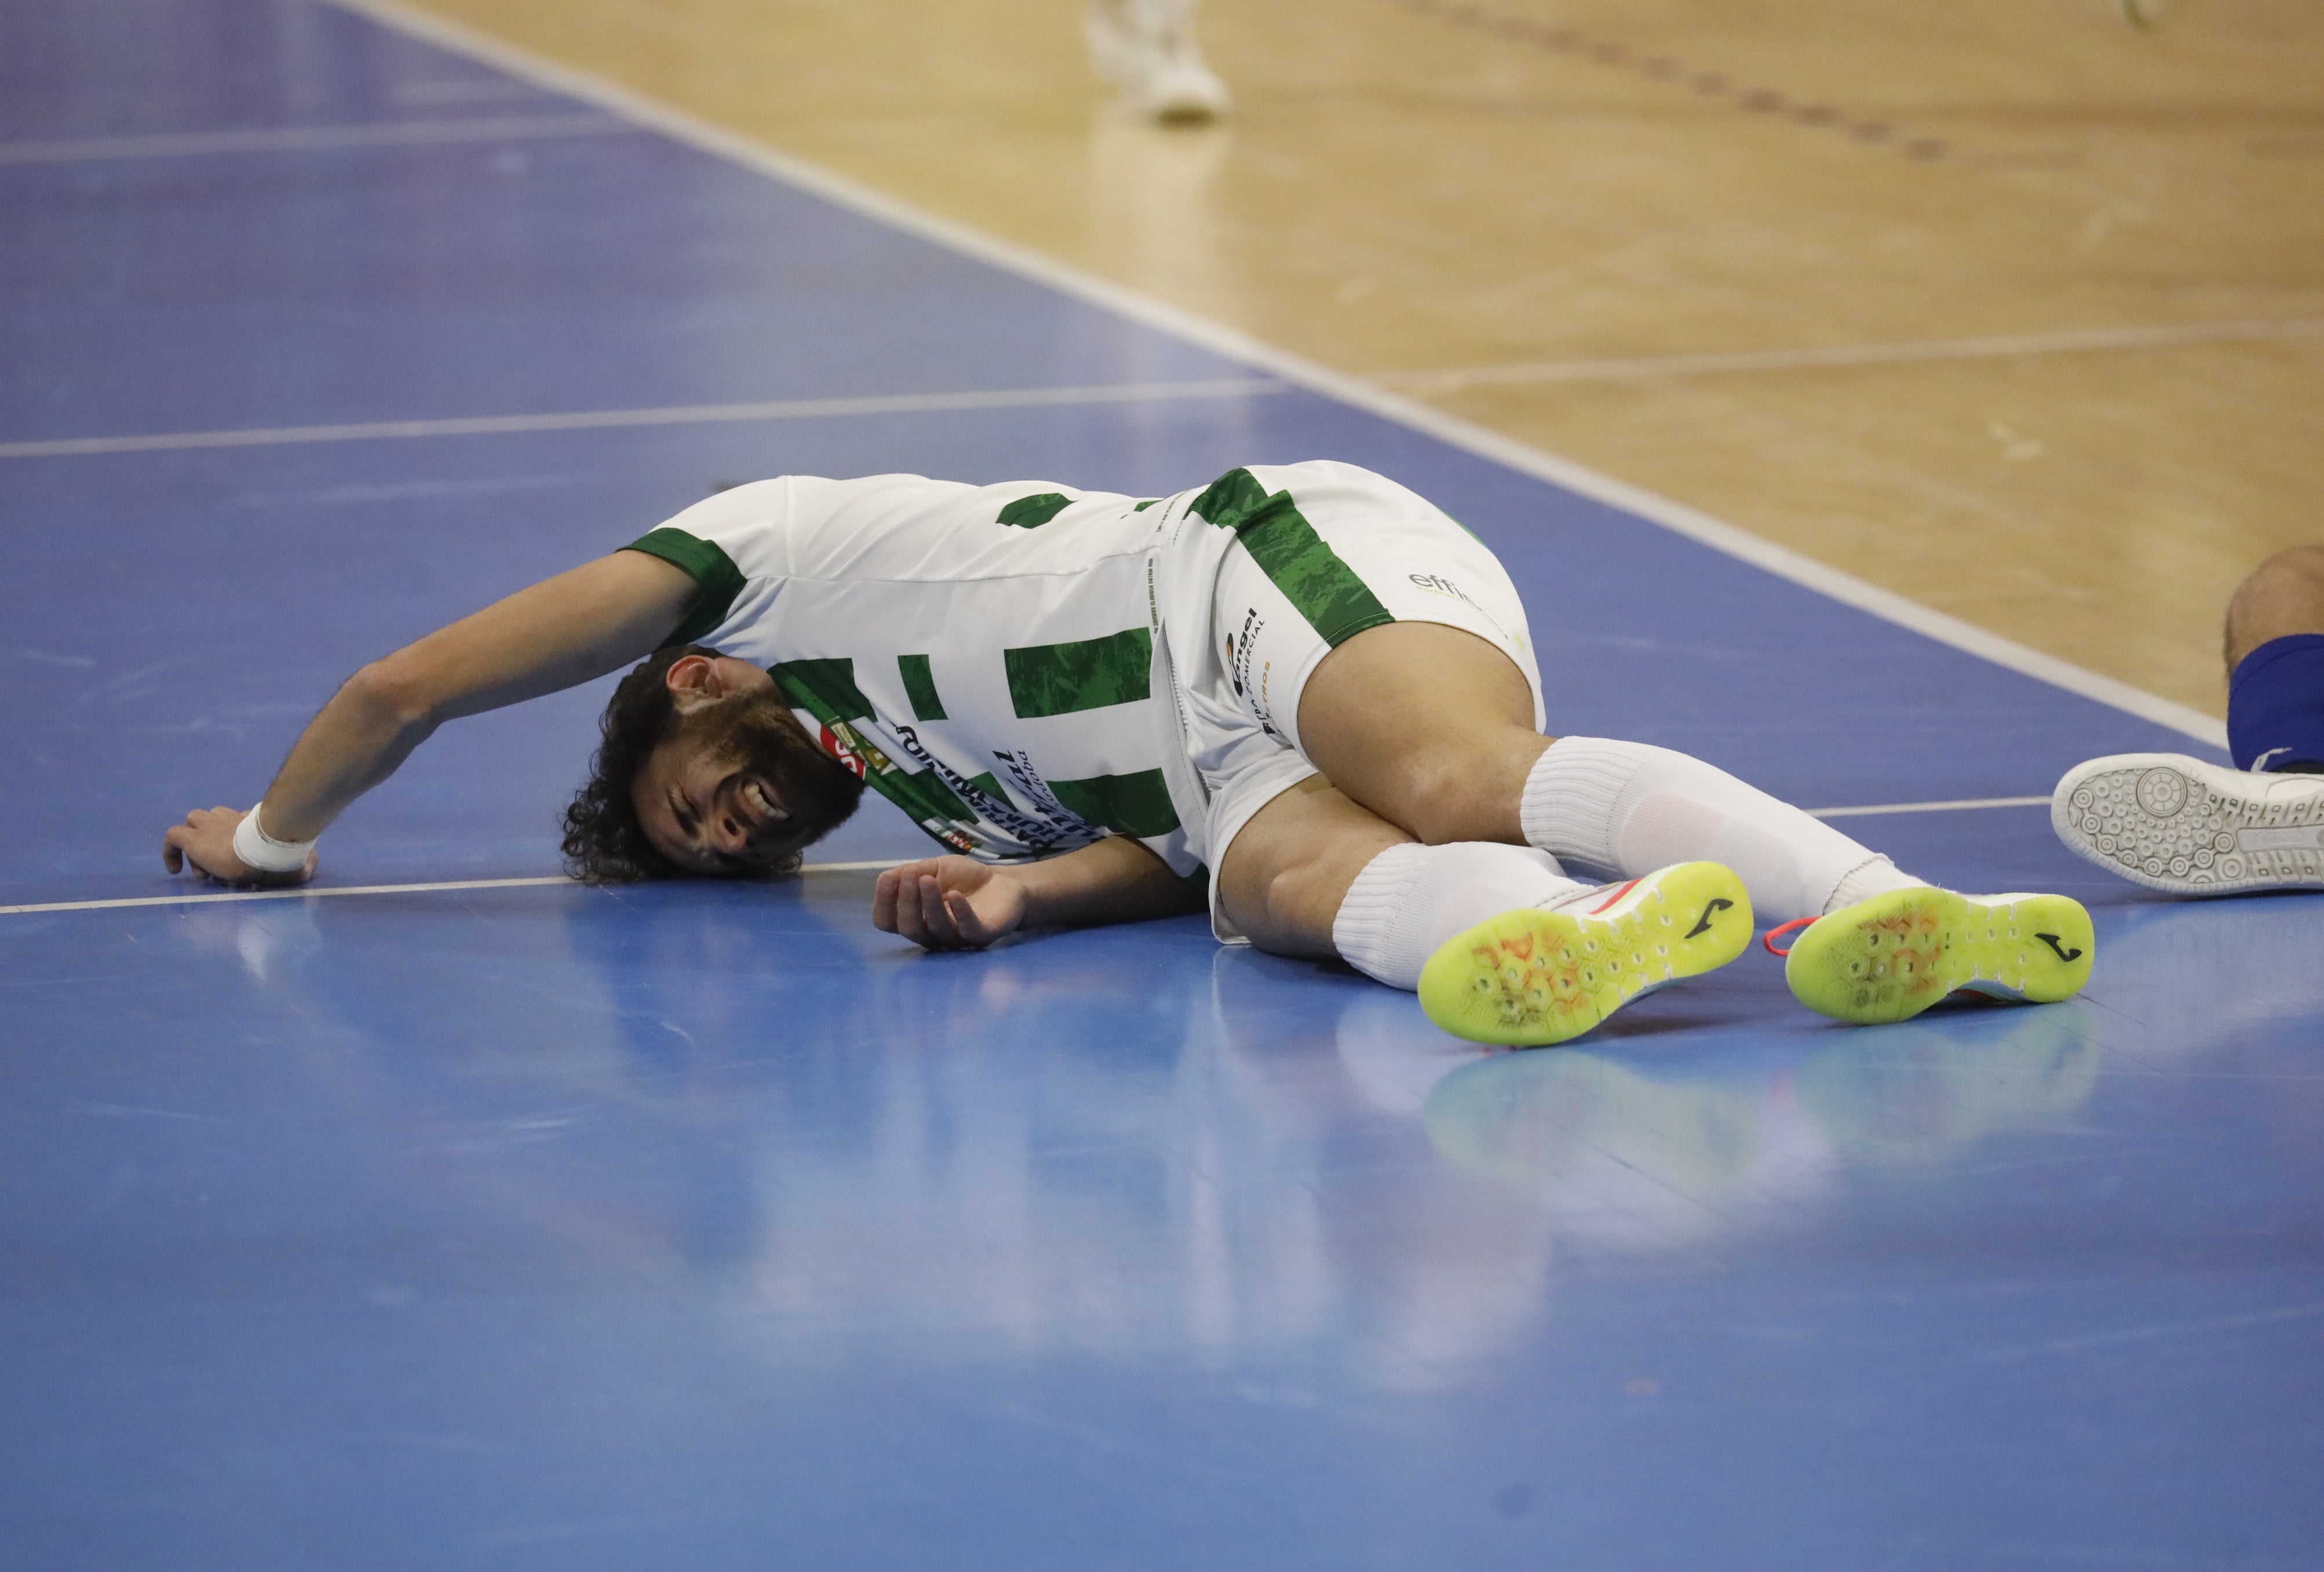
{"x":738,"y":785}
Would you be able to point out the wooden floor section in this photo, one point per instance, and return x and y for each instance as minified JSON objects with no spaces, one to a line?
{"x":2007,"y":307}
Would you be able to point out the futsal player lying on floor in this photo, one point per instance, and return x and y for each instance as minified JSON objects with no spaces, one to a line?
{"x":1302,"y":695}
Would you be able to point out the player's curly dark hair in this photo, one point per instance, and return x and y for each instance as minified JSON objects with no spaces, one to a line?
{"x":603,"y":841}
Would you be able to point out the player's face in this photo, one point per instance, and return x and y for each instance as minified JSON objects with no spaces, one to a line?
{"x":739,"y":784}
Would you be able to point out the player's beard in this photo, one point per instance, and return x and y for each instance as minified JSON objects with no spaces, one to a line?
{"x":757,"y":734}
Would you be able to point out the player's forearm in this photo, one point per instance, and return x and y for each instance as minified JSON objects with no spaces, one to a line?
{"x":570,"y":629}
{"x":358,"y":740}
{"x":1115,"y":880}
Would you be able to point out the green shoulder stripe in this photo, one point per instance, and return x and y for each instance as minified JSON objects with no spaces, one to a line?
{"x":1326,"y":591}
{"x":716,"y":580}
{"x":824,"y":689}
{"x":1030,"y":513}
{"x":1084,"y":674}
{"x":1137,"y":804}
{"x":920,"y":686}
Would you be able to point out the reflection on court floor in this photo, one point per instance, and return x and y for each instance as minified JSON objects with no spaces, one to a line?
{"x":484,"y":1220}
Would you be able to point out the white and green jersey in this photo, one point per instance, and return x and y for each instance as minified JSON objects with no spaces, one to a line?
{"x":997,"y":661}
{"x":981,"y":657}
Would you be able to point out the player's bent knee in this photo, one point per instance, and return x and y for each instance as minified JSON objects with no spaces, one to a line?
{"x":1442,"y":801}
{"x":1265,"y":903}
{"x":2295,"y":573}
{"x":2283,"y":598}
{"x":1285,"y":905}
{"x":1466,"y":794}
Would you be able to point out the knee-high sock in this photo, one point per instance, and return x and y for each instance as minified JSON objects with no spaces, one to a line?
{"x":1412,"y":898}
{"x":1152,"y":19}
{"x":1628,"y":808}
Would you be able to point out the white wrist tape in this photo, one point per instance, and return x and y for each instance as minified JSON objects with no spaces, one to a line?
{"x":257,"y":849}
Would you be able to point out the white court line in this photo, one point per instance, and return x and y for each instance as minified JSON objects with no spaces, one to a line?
{"x":1844,"y":355}
{"x":305,"y":893}
{"x":1407,"y":411}
{"x":661,"y":415}
{"x":314,"y":138}
{"x":302,"y":894}
{"x":1930,"y":806}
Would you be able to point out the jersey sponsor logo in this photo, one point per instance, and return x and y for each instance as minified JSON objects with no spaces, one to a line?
{"x":1030,"y":783}
{"x":844,"y":749}
{"x":1034,"y":834}
{"x":1437,"y":584}
{"x":1239,"y":649}
{"x":1076,"y":831}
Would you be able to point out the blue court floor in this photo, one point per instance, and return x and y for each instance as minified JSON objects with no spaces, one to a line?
{"x":522,"y":1224}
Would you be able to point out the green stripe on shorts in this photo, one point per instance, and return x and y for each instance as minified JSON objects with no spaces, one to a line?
{"x":1326,"y":591}
{"x":1137,"y":804}
{"x":1030,"y":513}
{"x":1087,"y":674}
{"x":716,"y":580}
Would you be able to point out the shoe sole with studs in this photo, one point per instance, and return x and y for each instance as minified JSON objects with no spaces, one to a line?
{"x":1529,"y":977}
{"x":1892,"y":957}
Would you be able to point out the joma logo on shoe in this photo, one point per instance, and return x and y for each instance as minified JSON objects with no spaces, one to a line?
{"x":2063,"y":954}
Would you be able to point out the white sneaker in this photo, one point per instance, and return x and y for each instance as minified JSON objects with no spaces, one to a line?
{"x":1156,"y":67}
{"x":2170,"y":822}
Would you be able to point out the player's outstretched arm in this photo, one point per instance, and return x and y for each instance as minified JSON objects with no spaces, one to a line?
{"x":563,"y":630}
{"x":960,"y":903}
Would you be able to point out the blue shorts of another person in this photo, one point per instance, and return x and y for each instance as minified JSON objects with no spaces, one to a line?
{"x":2275,"y":706}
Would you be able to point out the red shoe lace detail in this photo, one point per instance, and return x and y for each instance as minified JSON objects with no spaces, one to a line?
{"x":1768,"y":939}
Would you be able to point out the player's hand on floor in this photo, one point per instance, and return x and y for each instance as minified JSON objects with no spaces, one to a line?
{"x":947,"y":904}
{"x":205,"y":844}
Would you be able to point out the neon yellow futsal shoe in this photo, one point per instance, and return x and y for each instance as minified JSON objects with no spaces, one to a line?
{"x":1543,"y":974}
{"x":1892,"y":957}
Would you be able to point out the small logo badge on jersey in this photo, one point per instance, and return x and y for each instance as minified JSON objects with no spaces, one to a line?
{"x":1702,"y":924}
{"x":843,"y":749}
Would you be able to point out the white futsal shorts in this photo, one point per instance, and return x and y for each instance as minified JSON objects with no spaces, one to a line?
{"x":1239,"y":695}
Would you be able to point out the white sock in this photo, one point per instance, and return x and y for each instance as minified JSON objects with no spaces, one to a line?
{"x":1412,"y":898}
{"x":1629,"y":808}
